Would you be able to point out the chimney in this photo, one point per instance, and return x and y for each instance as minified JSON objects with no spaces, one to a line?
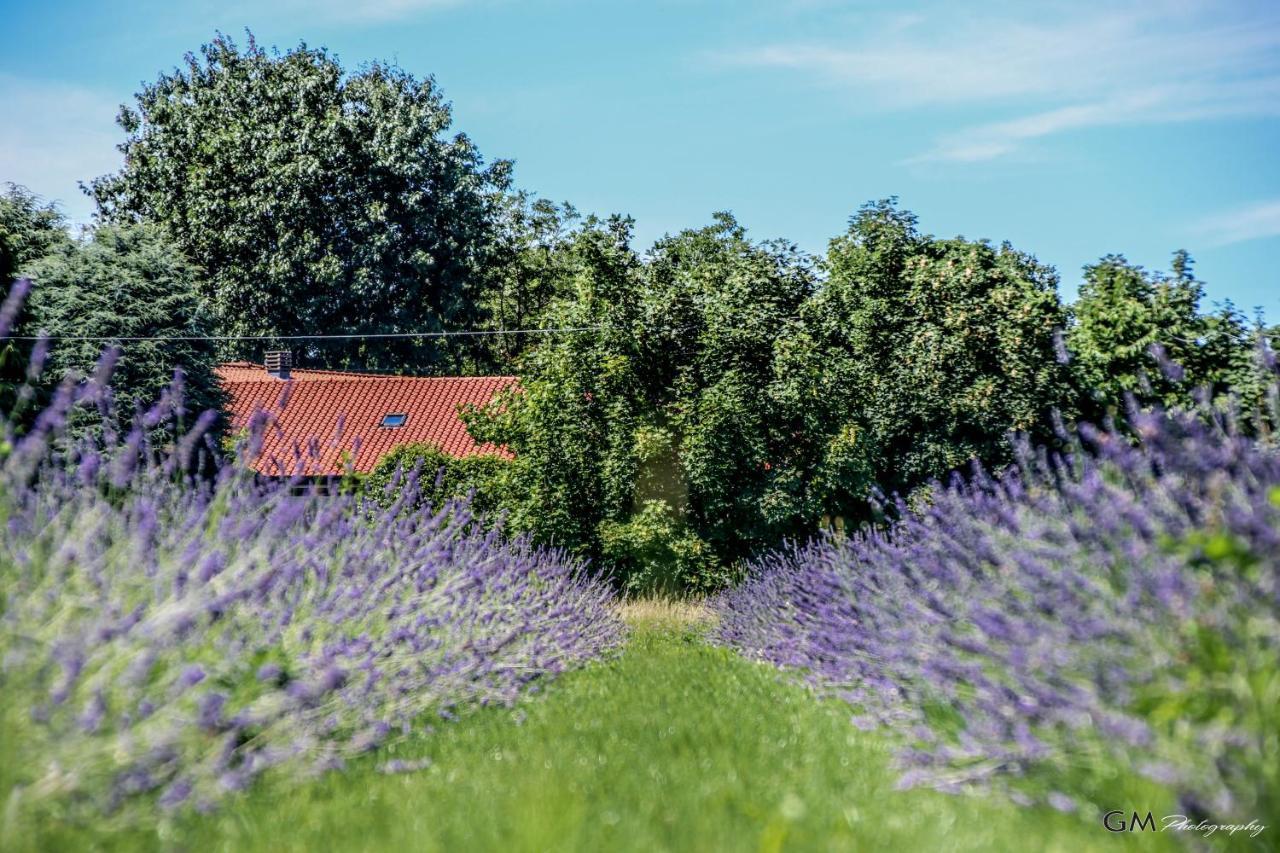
{"x":278,"y":363}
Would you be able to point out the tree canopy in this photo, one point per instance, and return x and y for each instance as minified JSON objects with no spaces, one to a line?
{"x":125,"y":281}
{"x":924,"y":353}
{"x":313,"y":200}
{"x":727,"y":394}
{"x":1141,"y":334}
{"x":648,"y":442}
{"x":29,"y":230}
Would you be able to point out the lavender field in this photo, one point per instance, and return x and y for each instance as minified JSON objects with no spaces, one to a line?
{"x":446,"y":425}
{"x":188,"y":650}
{"x":1111,"y":609}
{"x":167,"y":638}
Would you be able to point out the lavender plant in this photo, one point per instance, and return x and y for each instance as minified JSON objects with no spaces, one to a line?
{"x":1113,"y":608}
{"x":166,"y":639}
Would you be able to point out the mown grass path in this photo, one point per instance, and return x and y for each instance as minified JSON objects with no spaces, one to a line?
{"x":673,"y":745}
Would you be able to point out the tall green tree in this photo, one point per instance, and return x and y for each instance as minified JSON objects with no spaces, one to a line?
{"x":1141,"y":334}
{"x":917,"y":356}
{"x":313,"y":200}
{"x":124,"y":282}
{"x":717,"y":304}
{"x":29,"y":230}
{"x":647,"y":442}
{"x":569,"y":423}
{"x":528,"y":268}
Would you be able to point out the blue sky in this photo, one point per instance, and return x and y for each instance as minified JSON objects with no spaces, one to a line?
{"x":1071,"y":129}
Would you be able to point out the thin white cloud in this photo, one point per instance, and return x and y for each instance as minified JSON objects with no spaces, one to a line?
{"x":55,"y":135}
{"x":368,"y":11}
{"x":1147,"y":106}
{"x":1161,"y":60}
{"x":1251,"y":222}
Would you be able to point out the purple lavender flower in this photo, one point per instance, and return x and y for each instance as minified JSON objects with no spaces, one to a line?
{"x":270,"y":672}
{"x":157,"y":616}
{"x":190,"y":677}
{"x":209,"y":710}
{"x":1047,"y":607}
{"x":177,"y":793}
{"x":12,"y":304}
{"x":1061,"y":801}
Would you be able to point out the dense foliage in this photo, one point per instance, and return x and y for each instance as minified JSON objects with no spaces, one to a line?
{"x":561,"y":424}
{"x":314,"y":200}
{"x":935,"y":350}
{"x":124,"y":282}
{"x":724,"y":394}
{"x":646,"y":439}
{"x":29,"y":230}
{"x":1130,"y":327}
{"x":1115,"y":608}
{"x":423,"y":478}
{"x":530,"y":265}
{"x":731,"y":397}
{"x":164,"y":642}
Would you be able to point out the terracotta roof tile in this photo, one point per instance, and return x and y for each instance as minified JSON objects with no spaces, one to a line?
{"x":332,"y":415}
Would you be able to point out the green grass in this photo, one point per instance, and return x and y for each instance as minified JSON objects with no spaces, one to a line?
{"x":673,"y":745}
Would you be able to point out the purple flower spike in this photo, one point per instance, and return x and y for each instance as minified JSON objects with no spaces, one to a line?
{"x":1019,"y":626}
{"x":270,"y":672}
{"x":182,"y":635}
{"x":190,"y":677}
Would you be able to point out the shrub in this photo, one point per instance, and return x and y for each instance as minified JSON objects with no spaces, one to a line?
{"x":1114,"y":608}
{"x":434,"y":478}
{"x":657,"y":553}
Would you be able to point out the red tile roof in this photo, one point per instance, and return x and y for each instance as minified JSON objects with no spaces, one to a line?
{"x":331,"y":416}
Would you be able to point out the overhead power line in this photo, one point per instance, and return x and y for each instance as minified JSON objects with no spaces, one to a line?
{"x":353,"y":336}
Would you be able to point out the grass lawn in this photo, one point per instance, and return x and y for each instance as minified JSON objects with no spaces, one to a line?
{"x":673,"y":745}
